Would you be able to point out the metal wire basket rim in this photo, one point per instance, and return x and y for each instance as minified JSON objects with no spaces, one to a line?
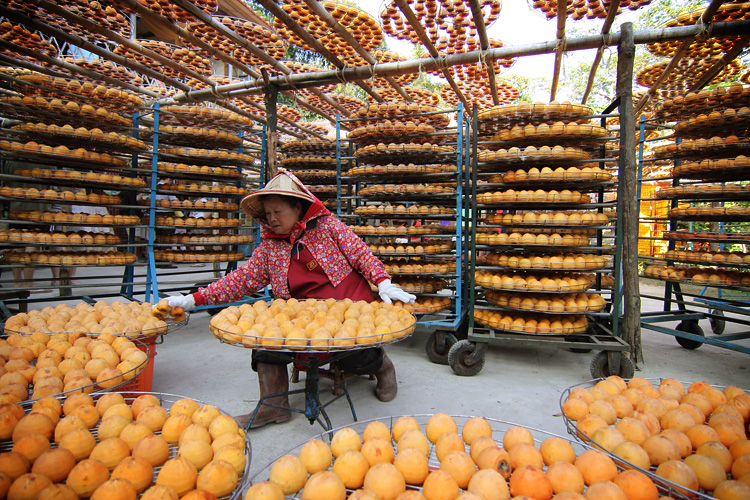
{"x":593,"y":444}
{"x":392,"y":418}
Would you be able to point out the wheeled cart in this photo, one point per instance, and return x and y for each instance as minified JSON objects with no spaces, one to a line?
{"x":544,"y":248}
{"x":698,"y":167}
{"x":403,"y":179}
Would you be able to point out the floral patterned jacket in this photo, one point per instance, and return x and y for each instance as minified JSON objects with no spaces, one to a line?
{"x":333,"y":244}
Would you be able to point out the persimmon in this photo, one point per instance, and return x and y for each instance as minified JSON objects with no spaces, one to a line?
{"x":413,"y":465}
{"x":707,"y":469}
{"x":595,"y":466}
{"x":636,"y":485}
{"x":565,"y":476}
{"x":531,"y":482}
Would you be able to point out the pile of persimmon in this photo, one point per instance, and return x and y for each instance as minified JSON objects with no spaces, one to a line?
{"x":312,"y":324}
{"x":110,"y":447}
{"x":695,"y":435}
{"x":398,"y":463}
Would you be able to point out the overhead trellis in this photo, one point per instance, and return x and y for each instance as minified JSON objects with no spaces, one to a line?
{"x":107,"y":17}
{"x":167,"y":9}
{"x":298,"y":67}
{"x":453,"y":32}
{"x":181,"y":55}
{"x":15,"y":34}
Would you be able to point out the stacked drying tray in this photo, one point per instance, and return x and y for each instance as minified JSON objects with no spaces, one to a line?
{"x":541,"y":231}
{"x":196,"y":218}
{"x":65,"y":134}
{"x":313,"y":161}
{"x":711,"y":166}
{"x":407,"y":201}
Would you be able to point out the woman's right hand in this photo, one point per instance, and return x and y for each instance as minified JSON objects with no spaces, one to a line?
{"x":184,"y":301}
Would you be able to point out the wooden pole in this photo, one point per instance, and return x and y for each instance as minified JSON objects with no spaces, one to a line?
{"x":627,"y":200}
{"x":269,"y":99}
{"x":562,"y":15}
{"x":611,"y":13}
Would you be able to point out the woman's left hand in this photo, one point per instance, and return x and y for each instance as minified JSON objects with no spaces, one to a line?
{"x":389,"y":292}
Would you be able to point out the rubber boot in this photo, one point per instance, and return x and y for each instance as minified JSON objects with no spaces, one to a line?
{"x":387,"y":387}
{"x":272,"y":379}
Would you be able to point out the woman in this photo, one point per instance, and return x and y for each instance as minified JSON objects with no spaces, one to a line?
{"x":305,"y":252}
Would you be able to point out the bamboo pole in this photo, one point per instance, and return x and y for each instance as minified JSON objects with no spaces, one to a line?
{"x":705,"y":19}
{"x":562,"y":7}
{"x":428,"y":64}
{"x":627,"y":198}
{"x":484,"y":43}
{"x":417,"y":27}
{"x":611,"y":13}
{"x":318,"y":47}
{"x":272,"y":136}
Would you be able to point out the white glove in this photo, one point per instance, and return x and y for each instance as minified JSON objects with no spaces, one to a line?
{"x":184,"y":301}
{"x":389,"y":292}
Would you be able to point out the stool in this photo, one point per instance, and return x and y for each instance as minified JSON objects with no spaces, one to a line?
{"x":314,"y":409}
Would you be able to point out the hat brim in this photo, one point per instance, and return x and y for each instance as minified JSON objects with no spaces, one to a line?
{"x":252,"y":204}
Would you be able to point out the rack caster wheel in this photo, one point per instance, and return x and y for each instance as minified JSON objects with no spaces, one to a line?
{"x":717,"y":324}
{"x":689,"y":327}
{"x":437,"y":346}
{"x":466,"y":358}
{"x":600,"y":365}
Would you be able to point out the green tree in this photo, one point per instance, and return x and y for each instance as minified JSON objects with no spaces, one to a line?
{"x":528,"y":87}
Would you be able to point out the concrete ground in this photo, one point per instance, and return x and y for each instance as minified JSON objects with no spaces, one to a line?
{"x":522,"y":385}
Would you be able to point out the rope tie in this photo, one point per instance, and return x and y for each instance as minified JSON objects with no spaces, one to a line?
{"x":442,"y":63}
{"x":561,"y":45}
{"x":606,"y":40}
{"x":483,"y":58}
{"x":340,"y":76}
{"x":705,"y":29}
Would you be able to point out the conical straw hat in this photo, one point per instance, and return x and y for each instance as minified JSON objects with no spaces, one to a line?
{"x":281,"y":184}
